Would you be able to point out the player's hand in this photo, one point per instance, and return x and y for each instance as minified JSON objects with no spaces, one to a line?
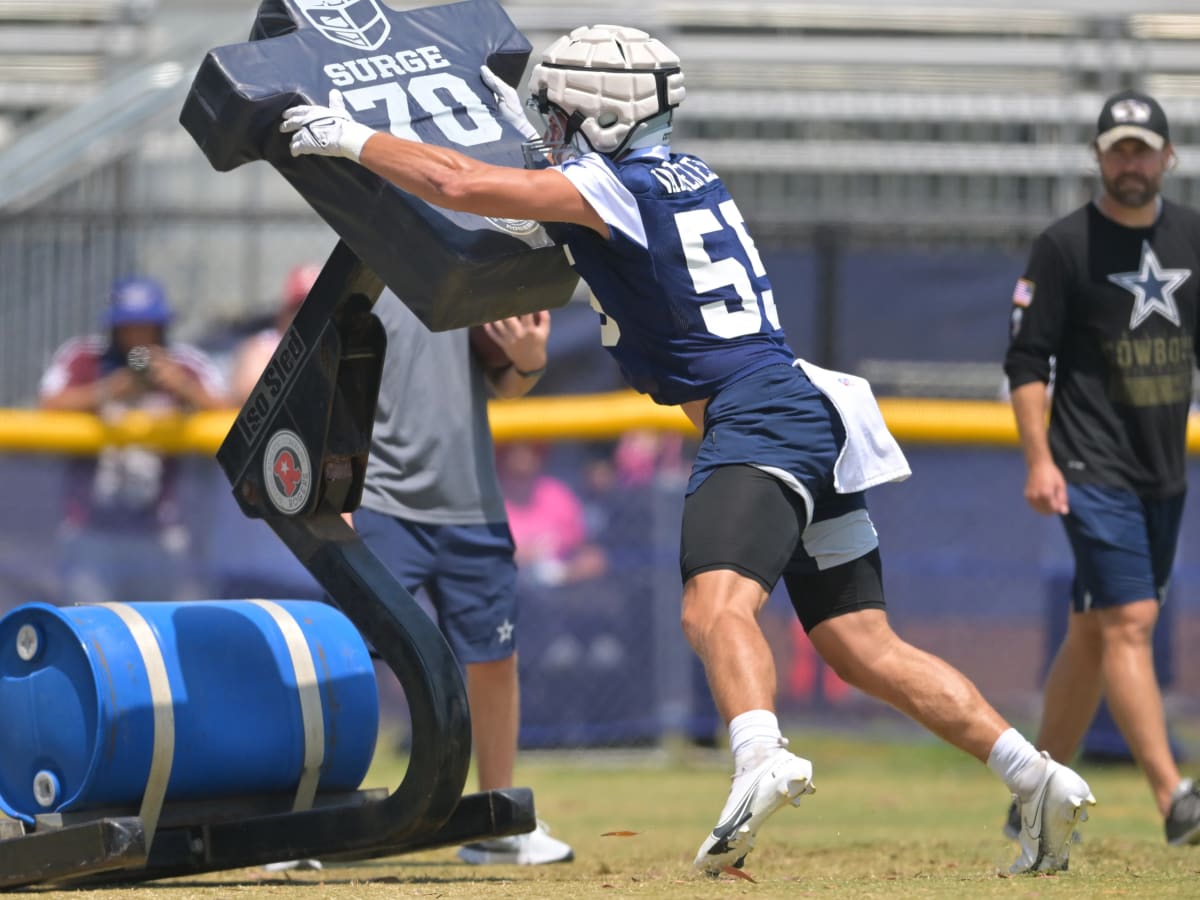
{"x":1046,"y":490}
{"x":325,"y":130}
{"x":509,"y":104}
{"x":522,"y":338}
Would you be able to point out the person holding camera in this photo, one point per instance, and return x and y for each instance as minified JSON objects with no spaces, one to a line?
{"x":123,"y":535}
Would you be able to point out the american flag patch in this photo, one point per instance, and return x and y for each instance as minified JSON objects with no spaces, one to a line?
{"x":1023,"y":292}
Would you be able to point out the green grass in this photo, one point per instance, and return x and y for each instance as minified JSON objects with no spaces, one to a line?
{"x":889,"y":819}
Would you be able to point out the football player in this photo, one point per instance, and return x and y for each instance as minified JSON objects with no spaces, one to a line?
{"x":778,"y":485}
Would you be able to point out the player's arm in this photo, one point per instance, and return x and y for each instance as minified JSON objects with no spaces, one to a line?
{"x":452,"y":180}
{"x":439,"y":175}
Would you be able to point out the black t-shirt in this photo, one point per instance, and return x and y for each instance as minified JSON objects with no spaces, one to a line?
{"x":1117,"y":309}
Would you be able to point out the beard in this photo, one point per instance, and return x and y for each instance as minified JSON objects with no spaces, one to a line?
{"x":1132,"y":191}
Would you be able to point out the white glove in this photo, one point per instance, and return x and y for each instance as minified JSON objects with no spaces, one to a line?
{"x":325,"y":130}
{"x":509,"y":104}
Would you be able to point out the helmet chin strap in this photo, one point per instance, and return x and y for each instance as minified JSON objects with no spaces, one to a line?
{"x":573,"y":122}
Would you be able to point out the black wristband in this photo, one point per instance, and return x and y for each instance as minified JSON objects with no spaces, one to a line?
{"x":532,"y":373}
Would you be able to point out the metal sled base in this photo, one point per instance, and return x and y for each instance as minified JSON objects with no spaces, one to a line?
{"x":112,"y":849}
{"x":317,"y":400}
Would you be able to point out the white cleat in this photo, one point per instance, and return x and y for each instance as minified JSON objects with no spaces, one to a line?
{"x":1050,"y":817}
{"x":294,"y":865}
{"x":537,"y":848}
{"x":781,"y":778}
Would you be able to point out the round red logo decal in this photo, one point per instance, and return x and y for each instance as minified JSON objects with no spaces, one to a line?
{"x":287,"y":471}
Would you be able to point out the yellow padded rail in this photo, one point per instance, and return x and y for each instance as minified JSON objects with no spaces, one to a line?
{"x":591,"y":417}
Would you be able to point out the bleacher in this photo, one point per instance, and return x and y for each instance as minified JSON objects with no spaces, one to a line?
{"x":948,"y":115}
{"x":55,"y":53}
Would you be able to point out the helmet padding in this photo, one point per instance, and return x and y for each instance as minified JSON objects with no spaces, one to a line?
{"x":608,"y":80}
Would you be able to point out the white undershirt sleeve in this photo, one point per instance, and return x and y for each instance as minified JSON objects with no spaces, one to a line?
{"x":608,"y":197}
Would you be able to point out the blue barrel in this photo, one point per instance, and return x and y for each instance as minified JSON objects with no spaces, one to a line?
{"x":254,"y":690}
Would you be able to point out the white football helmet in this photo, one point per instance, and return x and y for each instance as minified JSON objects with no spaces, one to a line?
{"x":612,"y":86}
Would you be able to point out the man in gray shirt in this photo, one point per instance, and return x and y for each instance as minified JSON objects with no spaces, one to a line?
{"x":432,"y":511}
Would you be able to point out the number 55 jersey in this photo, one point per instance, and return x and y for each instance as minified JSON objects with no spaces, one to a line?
{"x":686,"y":307}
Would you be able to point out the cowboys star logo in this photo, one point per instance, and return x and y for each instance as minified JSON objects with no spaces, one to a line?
{"x":287,"y":472}
{"x":1153,"y":288}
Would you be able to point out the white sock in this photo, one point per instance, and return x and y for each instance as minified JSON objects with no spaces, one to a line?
{"x":752,"y":735}
{"x":1017,"y":762}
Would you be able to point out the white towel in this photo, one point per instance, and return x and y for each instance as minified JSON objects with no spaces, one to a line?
{"x":870,"y":455}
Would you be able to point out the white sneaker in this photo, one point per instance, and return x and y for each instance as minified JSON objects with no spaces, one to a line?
{"x":1049,"y":817}
{"x":756,"y":795}
{"x":289,"y":865}
{"x":533,"y":849}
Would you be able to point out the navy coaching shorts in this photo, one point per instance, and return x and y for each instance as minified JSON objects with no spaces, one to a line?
{"x":468,"y":574}
{"x":1124,"y":544}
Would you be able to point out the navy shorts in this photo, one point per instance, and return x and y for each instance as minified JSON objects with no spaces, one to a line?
{"x":468,"y":574}
{"x":776,"y":420}
{"x":1124,"y":544}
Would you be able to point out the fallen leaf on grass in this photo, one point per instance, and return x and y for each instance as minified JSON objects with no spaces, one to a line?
{"x":730,"y":870}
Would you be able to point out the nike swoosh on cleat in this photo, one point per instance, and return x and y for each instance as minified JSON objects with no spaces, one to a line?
{"x":725,"y":833}
{"x":741,"y":813}
{"x":1034,"y":828}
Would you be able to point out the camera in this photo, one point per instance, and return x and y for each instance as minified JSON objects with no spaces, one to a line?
{"x":138,"y":360}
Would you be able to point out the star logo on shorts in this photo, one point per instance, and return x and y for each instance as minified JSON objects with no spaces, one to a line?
{"x":1153,"y":288}
{"x":505,"y":631}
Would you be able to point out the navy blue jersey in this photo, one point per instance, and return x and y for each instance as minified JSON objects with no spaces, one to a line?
{"x":685,"y":304}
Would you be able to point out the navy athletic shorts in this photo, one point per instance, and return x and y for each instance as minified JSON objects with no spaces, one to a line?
{"x":468,"y":574}
{"x":1124,"y":544}
{"x":776,"y":420}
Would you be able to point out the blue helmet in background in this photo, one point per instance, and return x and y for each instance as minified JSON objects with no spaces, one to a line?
{"x":137,"y":301}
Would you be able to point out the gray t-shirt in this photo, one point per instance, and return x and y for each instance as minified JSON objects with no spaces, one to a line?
{"x":431,"y":448}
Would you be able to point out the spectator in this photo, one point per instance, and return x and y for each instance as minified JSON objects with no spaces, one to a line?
{"x":547,"y":519}
{"x":432,"y":512}
{"x":255,"y":352}
{"x":644,"y":457}
{"x":123,"y":534}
